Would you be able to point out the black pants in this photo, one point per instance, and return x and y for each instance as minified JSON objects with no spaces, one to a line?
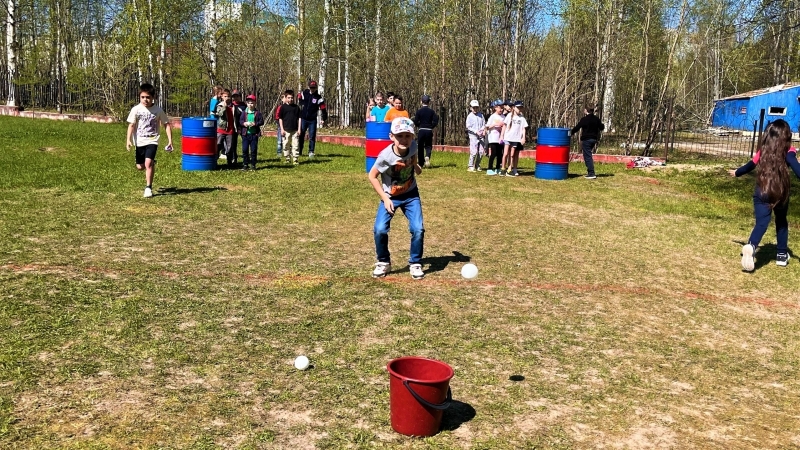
{"x":496,"y":156}
{"x":425,"y":141}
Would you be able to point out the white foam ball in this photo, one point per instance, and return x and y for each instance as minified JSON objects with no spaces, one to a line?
{"x":301,"y":362}
{"x":469,"y":271}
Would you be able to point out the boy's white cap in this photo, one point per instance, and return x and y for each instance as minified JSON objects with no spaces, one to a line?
{"x":402,"y":125}
{"x":474,"y":104}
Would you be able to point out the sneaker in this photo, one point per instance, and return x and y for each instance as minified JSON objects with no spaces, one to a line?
{"x":288,"y":161}
{"x":748,"y":261}
{"x":514,"y":173}
{"x":782,"y":259}
{"x":310,"y":155}
{"x":478,"y":169}
{"x":427,"y":161}
{"x":470,"y":169}
{"x":491,"y":172}
{"x":381,"y":269}
{"x":590,"y":177}
{"x":252,"y":167}
{"x":148,"y":192}
{"x":295,"y":162}
{"x":416,"y":271}
{"x":244,"y":168}
{"x":502,"y":173}
{"x":222,"y":156}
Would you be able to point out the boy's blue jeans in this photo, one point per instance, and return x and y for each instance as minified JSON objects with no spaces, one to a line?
{"x":587,"y":146}
{"x":763,"y":215}
{"x":280,"y":142}
{"x":412,"y":209}
{"x":311,"y":126}
{"x":250,"y":149}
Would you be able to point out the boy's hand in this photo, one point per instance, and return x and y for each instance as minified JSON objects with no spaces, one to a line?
{"x":128,"y":146}
{"x":389,"y":205}
{"x":732,"y":172}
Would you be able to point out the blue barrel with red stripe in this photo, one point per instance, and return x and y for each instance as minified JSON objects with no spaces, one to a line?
{"x":198,"y":143}
{"x":377,"y":134}
{"x":552,"y":153}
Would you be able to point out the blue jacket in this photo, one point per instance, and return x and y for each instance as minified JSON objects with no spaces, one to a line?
{"x":310,"y":103}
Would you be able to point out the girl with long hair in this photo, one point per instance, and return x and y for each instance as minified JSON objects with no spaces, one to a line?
{"x":773,"y":159}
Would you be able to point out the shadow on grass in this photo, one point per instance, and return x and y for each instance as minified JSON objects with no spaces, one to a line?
{"x":765,"y":254}
{"x":439,"y":263}
{"x":197,"y":190}
{"x":439,"y":166}
{"x":457,"y":414}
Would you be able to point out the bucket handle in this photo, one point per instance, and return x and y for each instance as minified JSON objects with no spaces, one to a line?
{"x":442,"y":406}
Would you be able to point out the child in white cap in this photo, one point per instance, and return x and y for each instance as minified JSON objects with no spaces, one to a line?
{"x":476,"y":129}
{"x":393,"y":176}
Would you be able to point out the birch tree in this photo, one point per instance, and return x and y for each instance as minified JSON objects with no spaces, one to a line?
{"x":11,"y":52}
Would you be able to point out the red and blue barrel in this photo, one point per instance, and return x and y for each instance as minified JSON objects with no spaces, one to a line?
{"x":552,"y":153}
{"x":198,"y":143}
{"x":377,"y":140}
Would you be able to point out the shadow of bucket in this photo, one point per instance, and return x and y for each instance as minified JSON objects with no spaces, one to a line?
{"x":419,"y":392}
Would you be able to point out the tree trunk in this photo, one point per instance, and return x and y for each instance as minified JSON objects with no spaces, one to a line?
{"x":11,"y":53}
{"x":161,"y":62}
{"x":345,"y":119}
{"x":506,"y":24}
{"x":517,"y":43}
{"x":301,"y":42}
{"x":642,"y":77}
{"x":211,"y":21}
{"x":377,"y":68}
{"x":323,"y":59}
{"x":150,"y":40}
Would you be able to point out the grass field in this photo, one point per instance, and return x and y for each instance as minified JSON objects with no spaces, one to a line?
{"x":607,"y":314}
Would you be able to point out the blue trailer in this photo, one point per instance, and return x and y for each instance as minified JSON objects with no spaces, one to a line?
{"x":741,"y":111}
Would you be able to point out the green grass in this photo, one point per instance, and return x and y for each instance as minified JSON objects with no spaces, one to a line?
{"x":172,"y":322}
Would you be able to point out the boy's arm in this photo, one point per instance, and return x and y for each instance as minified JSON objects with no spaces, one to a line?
{"x":280,"y":124}
{"x":791,"y":158}
{"x":168,"y":127}
{"x":374,"y":179}
{"x":128,"y":142}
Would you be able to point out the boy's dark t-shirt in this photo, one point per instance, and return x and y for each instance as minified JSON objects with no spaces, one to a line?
{"x":290,"y":113}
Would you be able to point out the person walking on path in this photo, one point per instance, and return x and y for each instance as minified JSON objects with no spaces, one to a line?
{"x":426,"y":120}
{"x":311,"y":103}
{"x":773,"y":159}
{"x":476,"y":129}
{"x":590,"y":126}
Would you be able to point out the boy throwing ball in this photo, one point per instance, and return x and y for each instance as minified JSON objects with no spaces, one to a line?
{"x":145,"y":120}
{"x":393,"y":176}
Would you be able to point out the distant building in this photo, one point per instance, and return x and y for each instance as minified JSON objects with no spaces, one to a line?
{"x":741,"y":111}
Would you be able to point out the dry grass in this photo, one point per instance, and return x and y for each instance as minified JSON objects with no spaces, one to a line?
{"x":607,"y":314}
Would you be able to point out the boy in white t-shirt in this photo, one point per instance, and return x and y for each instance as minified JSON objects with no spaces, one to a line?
{"x":146,"y":119}
{"x":494,"y":126}
{"x":514,"y":135}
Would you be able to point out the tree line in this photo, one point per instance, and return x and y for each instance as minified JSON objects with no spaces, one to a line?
{"x":637,"y":61}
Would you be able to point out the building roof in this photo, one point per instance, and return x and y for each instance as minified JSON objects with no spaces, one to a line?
{"x":762,"y":91}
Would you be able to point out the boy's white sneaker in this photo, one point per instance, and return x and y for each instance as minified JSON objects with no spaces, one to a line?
{"x":381,"y":269}
{"x":748,"y":260}
{"x":470,"y":169}
{"x":148,"y":192}
{"x":416,"y":271}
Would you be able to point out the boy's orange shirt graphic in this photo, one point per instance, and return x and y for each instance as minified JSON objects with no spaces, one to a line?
{"x":403,"y":176}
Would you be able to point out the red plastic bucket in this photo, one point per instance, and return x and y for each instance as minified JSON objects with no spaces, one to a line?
{"x":419,"y":392}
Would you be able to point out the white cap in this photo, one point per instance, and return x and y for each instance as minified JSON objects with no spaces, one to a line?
{"x":474,"y":104}
{"x":402,"y":125}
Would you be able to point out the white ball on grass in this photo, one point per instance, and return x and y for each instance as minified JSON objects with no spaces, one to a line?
{"x":469,"y":271}
{"x":301,"y":362}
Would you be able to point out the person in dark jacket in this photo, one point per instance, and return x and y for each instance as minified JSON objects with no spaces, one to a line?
{"x":590,"y":127}
{"x":426,"y":120}
{"x":310,"y":103}
{"x":250,"y":122}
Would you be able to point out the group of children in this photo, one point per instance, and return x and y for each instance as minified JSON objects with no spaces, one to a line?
{"x":504,"y":132}
{"x":234,"y":119}
{"x":393,"y":176}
